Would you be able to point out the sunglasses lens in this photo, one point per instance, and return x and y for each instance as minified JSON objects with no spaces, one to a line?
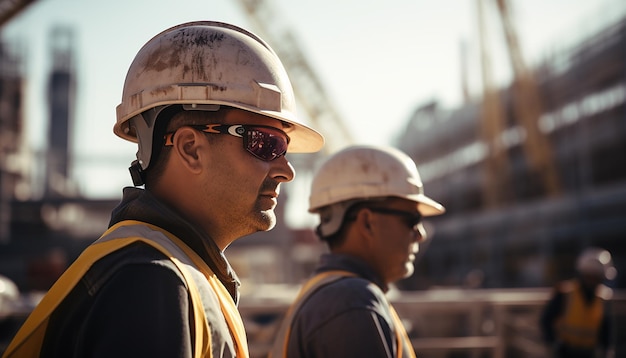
{"x":414,"y":221}
{"x":265,"y":143}
{"x":411,"y":219}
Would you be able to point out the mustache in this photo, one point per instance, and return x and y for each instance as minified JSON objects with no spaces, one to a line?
{"x":270,"y":185}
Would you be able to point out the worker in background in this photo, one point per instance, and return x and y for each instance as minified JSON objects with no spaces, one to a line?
{"x":371,"y":202}
{"x":213,"y":112}
{"x":575,"y":322}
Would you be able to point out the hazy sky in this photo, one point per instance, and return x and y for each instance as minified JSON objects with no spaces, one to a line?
{"x":378,"y":62}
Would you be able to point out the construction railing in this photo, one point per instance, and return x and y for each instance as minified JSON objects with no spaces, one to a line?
{"x":441,"y":323}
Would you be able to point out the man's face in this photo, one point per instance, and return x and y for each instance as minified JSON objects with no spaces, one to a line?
{"x":397,"y":240}
{"x":241,"y":190}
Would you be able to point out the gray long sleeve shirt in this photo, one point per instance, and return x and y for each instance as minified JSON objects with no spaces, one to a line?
{"x":349,"y":317}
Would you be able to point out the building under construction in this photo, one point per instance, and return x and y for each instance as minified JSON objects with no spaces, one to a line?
{"x":506,"y":217}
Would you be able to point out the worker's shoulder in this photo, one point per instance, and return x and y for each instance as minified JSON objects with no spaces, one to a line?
{"x":568,"y":286}
{"x":135,"y":255}
{"x":349,"y":292}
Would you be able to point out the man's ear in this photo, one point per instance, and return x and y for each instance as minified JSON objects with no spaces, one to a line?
{"x":365,"y":222}
{"x":187,"y":145}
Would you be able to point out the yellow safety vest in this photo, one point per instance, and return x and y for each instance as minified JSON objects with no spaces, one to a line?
{"x":580,"y":322}
{"x":282,"y":340}
{"x":28,"y":340}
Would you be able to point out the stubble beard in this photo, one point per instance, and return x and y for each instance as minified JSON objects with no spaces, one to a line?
{"x":268,"y":219}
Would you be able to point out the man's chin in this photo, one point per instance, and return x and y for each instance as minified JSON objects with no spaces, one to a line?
{"x":410,"y":269}
{"x":267,"y":221}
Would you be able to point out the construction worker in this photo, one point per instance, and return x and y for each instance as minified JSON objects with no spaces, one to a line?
{"x":575,"y":322}
{"x":213,"y":112}
{"x":370,"y":201}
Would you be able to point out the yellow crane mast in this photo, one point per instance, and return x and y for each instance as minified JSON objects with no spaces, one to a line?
{"x":527,"y":109}
{"x":497,"y":179}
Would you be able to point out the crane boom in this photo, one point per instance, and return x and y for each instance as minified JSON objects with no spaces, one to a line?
{"x":497,"y":181}
{"x":311,"y":95}
{"x":528,"y":108}
{"x":10,"y":8}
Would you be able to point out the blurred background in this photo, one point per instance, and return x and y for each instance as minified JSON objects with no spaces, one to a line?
{"x":514,"y":112}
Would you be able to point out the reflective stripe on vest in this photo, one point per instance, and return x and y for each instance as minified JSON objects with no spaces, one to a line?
{"x":580,"y":322}
{"x":281,"y":343}
{"x":29,"y":339}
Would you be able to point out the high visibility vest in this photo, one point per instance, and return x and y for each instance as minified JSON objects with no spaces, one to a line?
{"x":281,"y":343}
{"x":580,"y":322}
{"x":29,"y":339}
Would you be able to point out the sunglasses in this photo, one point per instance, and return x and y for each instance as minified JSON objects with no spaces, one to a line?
{"x":412,"y":219}
{"x":264,"y":142}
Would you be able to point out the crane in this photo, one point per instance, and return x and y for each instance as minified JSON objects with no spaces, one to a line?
{"x":527,"y":110}
{"x":310,"y":93}
{"x":10,"y":8}
{"x":497,"y":178}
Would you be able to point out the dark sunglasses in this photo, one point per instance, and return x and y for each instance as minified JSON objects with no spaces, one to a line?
{"x":412,"y":219}
{"x":264,"y":142}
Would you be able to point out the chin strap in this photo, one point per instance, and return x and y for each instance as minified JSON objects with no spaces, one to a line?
{"x":136,"y":173}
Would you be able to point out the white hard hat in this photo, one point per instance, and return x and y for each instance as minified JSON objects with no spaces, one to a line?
{"x":596,"y":261}
{"x":365,"y":172}
{"x":203,"y":65}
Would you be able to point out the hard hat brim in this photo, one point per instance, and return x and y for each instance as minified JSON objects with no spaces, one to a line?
{"x":303,"y":139}
{"x":427,"y":206}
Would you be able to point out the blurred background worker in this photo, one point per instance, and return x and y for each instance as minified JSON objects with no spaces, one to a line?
{"x":371,"y":202}
{"x":576,"y":322}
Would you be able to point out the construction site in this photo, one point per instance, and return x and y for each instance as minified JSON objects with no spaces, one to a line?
{"x":530,"y":173}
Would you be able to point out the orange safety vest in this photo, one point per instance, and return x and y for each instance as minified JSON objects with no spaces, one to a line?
{"x":28,"y":340}
{"x":282,"y":340}
{"x":580,"y":322}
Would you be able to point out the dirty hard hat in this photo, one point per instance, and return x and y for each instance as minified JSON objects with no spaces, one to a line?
{"x":203,"y":65}
{"x":363,"y":172}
